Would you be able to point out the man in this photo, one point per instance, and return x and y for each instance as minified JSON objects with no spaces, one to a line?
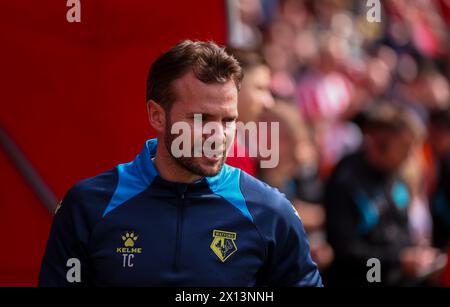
{"x":187,"y":221}
{"x":254,"y":97}
{"x":367,"y":203}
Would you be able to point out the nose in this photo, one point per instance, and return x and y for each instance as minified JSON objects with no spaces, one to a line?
{"x":213,"y":128}
{"x":215,"y":134}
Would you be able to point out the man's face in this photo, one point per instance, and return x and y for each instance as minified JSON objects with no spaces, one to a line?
{"x":399,"y":148}
{"x":255,"y":93}
{"x":392,"y":149}
{"x":217,"y":105}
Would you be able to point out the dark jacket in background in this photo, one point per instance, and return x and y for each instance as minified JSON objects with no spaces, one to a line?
{"x":440,"y":207}
{"x":366,"y":218}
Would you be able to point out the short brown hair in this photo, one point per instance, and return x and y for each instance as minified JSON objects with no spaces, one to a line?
{"x":393,"y":117}
{"x":209,"y":62}
{"x":247,"y":59}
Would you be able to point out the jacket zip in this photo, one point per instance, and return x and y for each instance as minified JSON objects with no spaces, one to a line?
{"x":179,"y":234}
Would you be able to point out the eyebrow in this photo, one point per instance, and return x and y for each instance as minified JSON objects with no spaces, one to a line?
{"x":199,"y":112}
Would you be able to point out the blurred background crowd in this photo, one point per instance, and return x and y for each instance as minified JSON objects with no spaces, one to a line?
{"x":364,"y":113}
{"x":363,"y":109}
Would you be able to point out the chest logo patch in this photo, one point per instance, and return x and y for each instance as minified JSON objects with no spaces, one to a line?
{"x":129,"y":249}
{"x":129,"y":239}
{"x":129,"y":244}
{"x":223,"y":244}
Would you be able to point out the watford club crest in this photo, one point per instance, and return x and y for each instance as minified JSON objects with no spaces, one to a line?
{"x":223,"y":244}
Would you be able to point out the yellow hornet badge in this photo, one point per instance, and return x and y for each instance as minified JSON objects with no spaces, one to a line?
{"x":223,"y":244}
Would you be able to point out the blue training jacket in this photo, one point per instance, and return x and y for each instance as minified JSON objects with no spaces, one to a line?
{"x":130,"y":227}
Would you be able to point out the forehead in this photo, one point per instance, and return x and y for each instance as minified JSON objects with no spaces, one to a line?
{"x":192,"y":93}
{"x":400,"y":138}
{"x":260,"y":72}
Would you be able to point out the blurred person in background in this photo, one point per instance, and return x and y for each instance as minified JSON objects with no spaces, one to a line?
{"x":439,"y":139}
{"x":367,"y":201}
{"x":413,"y":172}
{"x":328,"y":98}
{"x":446,"y":275}
{"x":296,"y":175}
{"x":245,"y":17}
{"x":420,"y":85}
{"x":439,"y":183}
{"x":254,"y":97}
{"x":332,"y":62}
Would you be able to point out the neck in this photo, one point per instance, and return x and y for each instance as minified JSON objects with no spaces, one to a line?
{"x":169,"y":169}
{"x":376,"y":164}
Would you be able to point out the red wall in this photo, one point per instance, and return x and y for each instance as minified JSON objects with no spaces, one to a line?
{"x":73,"y":99}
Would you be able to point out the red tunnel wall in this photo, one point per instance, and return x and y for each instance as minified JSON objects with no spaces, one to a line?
{"x":73,"y":99}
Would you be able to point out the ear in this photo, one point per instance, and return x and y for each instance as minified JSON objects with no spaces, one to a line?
{"x":156,"y":115}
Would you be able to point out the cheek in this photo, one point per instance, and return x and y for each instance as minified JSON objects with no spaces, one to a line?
{"x":256,"y":98}
{"x":400,"y":153}
{"x":248,"y":96}
{"x":243,"y":93}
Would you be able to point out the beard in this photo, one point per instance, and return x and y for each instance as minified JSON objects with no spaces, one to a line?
{"x":192,"y":164}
